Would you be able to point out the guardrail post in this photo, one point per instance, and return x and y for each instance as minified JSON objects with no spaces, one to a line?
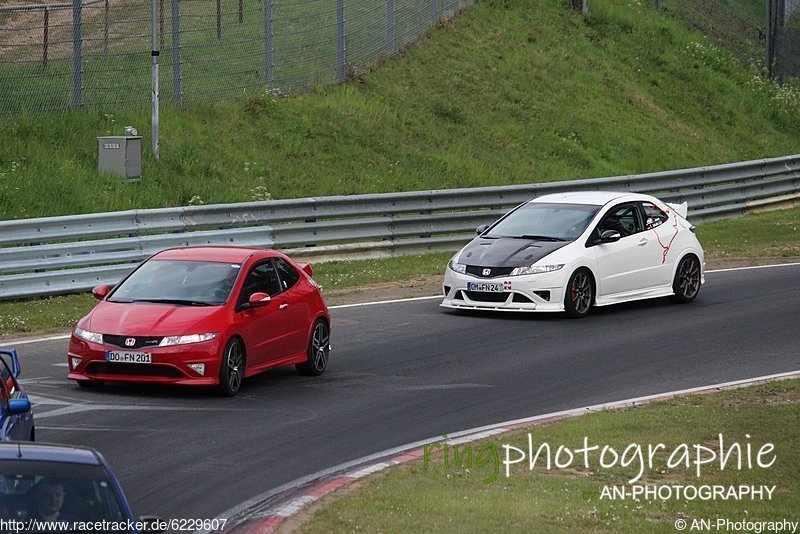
{"x":77,"y":53}
{"x":177,"y":68}
{"x":269,"y":63}
{"x":341,"y":50}
{"x":426,"y":212}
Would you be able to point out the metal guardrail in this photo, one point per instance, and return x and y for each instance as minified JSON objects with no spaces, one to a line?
{"x":58,"y":255}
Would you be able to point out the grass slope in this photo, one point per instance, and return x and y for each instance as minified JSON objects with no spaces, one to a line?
{"x":511,"y":92}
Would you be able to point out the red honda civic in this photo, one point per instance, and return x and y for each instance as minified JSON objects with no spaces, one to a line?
{"x":203,"y":316}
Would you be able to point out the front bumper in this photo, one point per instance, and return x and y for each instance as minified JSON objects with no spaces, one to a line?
{"x":169,"y":364}
{"x":526,"y":293}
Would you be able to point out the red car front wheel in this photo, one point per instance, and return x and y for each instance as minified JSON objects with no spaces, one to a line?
{"x":231,"y":368}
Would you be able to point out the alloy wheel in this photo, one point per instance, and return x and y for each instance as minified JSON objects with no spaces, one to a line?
{"x":689,"y":278}
{"x":581,"y":292}
{"x":233,"y":360}
{"x":320,"y":345}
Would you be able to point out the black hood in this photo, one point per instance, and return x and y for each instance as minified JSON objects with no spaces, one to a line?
{"x":507,"y":252}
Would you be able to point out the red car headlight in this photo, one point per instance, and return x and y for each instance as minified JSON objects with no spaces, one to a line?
{"x":170,"y":341}
{"x":89,"y":336}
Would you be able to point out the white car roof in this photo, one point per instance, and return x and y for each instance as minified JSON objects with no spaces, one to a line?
{"x":594,"y":198}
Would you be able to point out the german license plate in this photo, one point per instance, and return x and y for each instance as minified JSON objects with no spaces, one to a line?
{"x":128,"y":357}
{"x":485,"y":286}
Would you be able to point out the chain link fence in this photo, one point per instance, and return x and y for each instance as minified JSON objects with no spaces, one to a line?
{"x":787,"y":39}
{"x":96,"y":53}
{"x":792,"y":7}
{"x":739,"y":30}
{"x":762,"y":33}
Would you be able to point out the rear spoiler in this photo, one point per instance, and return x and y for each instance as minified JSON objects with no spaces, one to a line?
{"x":307,"y":268}
{"x":680,"y":209}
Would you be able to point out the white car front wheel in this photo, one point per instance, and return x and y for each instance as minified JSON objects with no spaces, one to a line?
{"x":579,"y":294}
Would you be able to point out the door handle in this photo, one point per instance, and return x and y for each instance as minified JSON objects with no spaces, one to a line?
{"x":643,"y":242}
{"x":283,"y":306}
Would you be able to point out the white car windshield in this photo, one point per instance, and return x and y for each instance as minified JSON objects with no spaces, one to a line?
{"x":182,"y":282}
{"x":544,"y":221}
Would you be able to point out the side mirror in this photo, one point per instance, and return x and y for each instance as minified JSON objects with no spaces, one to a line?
{"x":101,"y":292}
{"x":19,"y":406}
{"x":9,"y":357}
{"x":482,"y":228}
{"x":610,"y":236}
{"x":258,"y":299}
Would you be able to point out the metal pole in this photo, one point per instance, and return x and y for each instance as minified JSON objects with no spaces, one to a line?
{"x":154,"y":89}
{"x":341,"y":51}
{"x":219,"y":21}
{"x":161,"y":23}
{"x":269,"y":64}
{"x":105,"y":30}
{"x":768,"y":38}
{"x":433,"y":9}
{"x":390,"y":26}
{"x":177,"y":73}
{"x":77,"y":53}
{"x":45,"y":37}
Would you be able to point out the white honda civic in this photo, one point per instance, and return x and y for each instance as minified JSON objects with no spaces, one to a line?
{"x":571,"y":251}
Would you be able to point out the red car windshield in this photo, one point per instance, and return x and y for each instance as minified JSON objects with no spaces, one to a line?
{"x":181,"y":282}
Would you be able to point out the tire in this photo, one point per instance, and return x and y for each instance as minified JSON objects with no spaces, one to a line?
{"x":318,"y":351}
{"x":90,"y":384}
{"x":231,"y":368}
{"x":686,"y":284}
{"x":579,"y":294}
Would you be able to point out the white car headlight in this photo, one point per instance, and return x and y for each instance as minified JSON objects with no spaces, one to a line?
{"x":89,"y":336}
{"x":169,"y":341}
{"x":457,"y":267}
{"x":536,"y":269}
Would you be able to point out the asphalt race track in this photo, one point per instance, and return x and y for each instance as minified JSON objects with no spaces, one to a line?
{"x":407,"y":371}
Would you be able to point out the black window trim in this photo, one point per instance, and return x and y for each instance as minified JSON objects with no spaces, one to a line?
{"x":240,"y":296}
{"x":643,"y":214}
{"x":280,"y":276}
{"x":594,"y":237}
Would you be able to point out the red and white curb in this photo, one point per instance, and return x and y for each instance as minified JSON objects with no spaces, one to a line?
{"x":265,"y":513}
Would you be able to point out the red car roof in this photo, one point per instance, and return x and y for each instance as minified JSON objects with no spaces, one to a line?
{"x":221,"y":254}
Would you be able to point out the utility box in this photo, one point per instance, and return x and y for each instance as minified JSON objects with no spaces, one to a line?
{"x":120,"y":155}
